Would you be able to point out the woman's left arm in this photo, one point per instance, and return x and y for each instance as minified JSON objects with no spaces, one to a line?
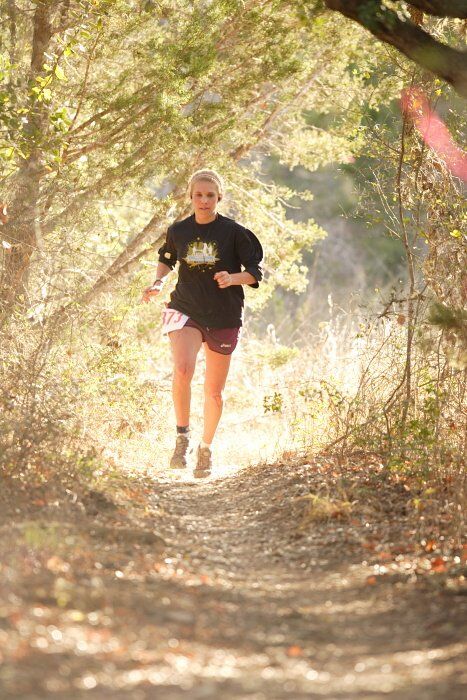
{"x":227,"y":279}
{"x":250,"y":255}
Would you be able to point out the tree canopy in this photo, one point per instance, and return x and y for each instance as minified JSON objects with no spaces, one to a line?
{"x":107,"y":107}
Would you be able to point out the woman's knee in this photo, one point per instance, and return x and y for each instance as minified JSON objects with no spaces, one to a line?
{"x":215,"y":394}
{"x":183,"y":371}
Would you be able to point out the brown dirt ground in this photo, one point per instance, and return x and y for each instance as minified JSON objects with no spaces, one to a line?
{"x":281,"y":581}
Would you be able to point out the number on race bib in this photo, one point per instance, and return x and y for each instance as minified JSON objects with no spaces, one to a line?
{"x":172,"y":320}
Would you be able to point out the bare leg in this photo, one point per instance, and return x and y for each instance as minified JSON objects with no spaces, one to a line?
{"x":185,"y":344}
{"x":217,"y":369}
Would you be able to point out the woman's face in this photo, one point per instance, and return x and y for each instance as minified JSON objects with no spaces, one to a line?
{"x":205,"y":197}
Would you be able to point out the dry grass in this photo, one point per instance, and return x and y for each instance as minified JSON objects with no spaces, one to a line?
{"x":99,"y":405}
{"x":322,"y":508}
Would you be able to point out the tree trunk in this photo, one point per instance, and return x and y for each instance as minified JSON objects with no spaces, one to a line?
{"x":20,"y":234}
{"x":20,"y":231}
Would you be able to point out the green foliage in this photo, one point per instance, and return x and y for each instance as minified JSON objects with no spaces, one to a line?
{"x":127,"y":104}
{"x":453,"y":321}
{"x":273,"y":403}
{"x":279,"y":355}
{"x":447,"y":318}
{"x":39,"y":536}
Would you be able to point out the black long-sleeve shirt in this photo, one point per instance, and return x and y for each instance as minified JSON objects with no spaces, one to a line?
{"x":202,"y":250}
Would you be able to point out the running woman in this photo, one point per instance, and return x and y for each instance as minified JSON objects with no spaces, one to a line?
{"x":206,"y":306}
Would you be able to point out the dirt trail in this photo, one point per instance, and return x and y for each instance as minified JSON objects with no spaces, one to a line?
{"x":212,"y":590}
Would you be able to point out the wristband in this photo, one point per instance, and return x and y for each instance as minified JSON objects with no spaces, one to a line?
{"x":158,"y":280}
{"x":156,"y":286}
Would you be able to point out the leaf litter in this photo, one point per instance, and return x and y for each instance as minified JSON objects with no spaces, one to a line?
{"x":291,"y":579}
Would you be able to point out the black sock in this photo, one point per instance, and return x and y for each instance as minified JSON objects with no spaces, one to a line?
{"x":182,"y":429}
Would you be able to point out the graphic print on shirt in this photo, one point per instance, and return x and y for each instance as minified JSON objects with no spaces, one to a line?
{"x":201,"y":253}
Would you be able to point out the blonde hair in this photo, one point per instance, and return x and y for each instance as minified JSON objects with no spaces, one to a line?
{"x":208,"y":176}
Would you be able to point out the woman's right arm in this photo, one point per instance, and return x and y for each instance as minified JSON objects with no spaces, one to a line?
{"x":167,"y":261}
{"x":155,"y":288}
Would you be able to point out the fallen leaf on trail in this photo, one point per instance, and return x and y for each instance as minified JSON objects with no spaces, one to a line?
{"x":430,"y":546}
{"x":385,"y":556}
{"x":438,"y":565}
{"x":369,"y":545}
{"x":294,"y":651}
{"x":56,"y":565}
{"x":371,"y":580}
{"x":402,"y":549}
{"x":21,"y":651}
{"x":76,"y":615}
{"x":15,"y":617}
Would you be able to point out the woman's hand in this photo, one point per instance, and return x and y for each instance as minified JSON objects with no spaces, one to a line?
{"x":223,"y":279}
{"x":151,"y":291}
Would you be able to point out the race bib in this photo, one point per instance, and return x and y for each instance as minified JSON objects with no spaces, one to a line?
{"x":172,"y":320}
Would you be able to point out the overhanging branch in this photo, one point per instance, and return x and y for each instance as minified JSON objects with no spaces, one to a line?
{"x":456,"y":9}
{"x":411,"y":40}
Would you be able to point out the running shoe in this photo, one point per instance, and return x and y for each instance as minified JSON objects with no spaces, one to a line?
{"x":203,"y":462}
{"x":178,"y":460}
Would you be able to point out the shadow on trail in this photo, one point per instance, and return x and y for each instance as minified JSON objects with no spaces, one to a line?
{"x":229,"y":598}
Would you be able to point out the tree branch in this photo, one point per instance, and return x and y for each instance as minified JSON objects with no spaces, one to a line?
{"x":41,"y":36}
{"x":442,"y":8}
{"x":12,"y":28}
{"x":441,"y":60}
{"x":129,"y":258}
